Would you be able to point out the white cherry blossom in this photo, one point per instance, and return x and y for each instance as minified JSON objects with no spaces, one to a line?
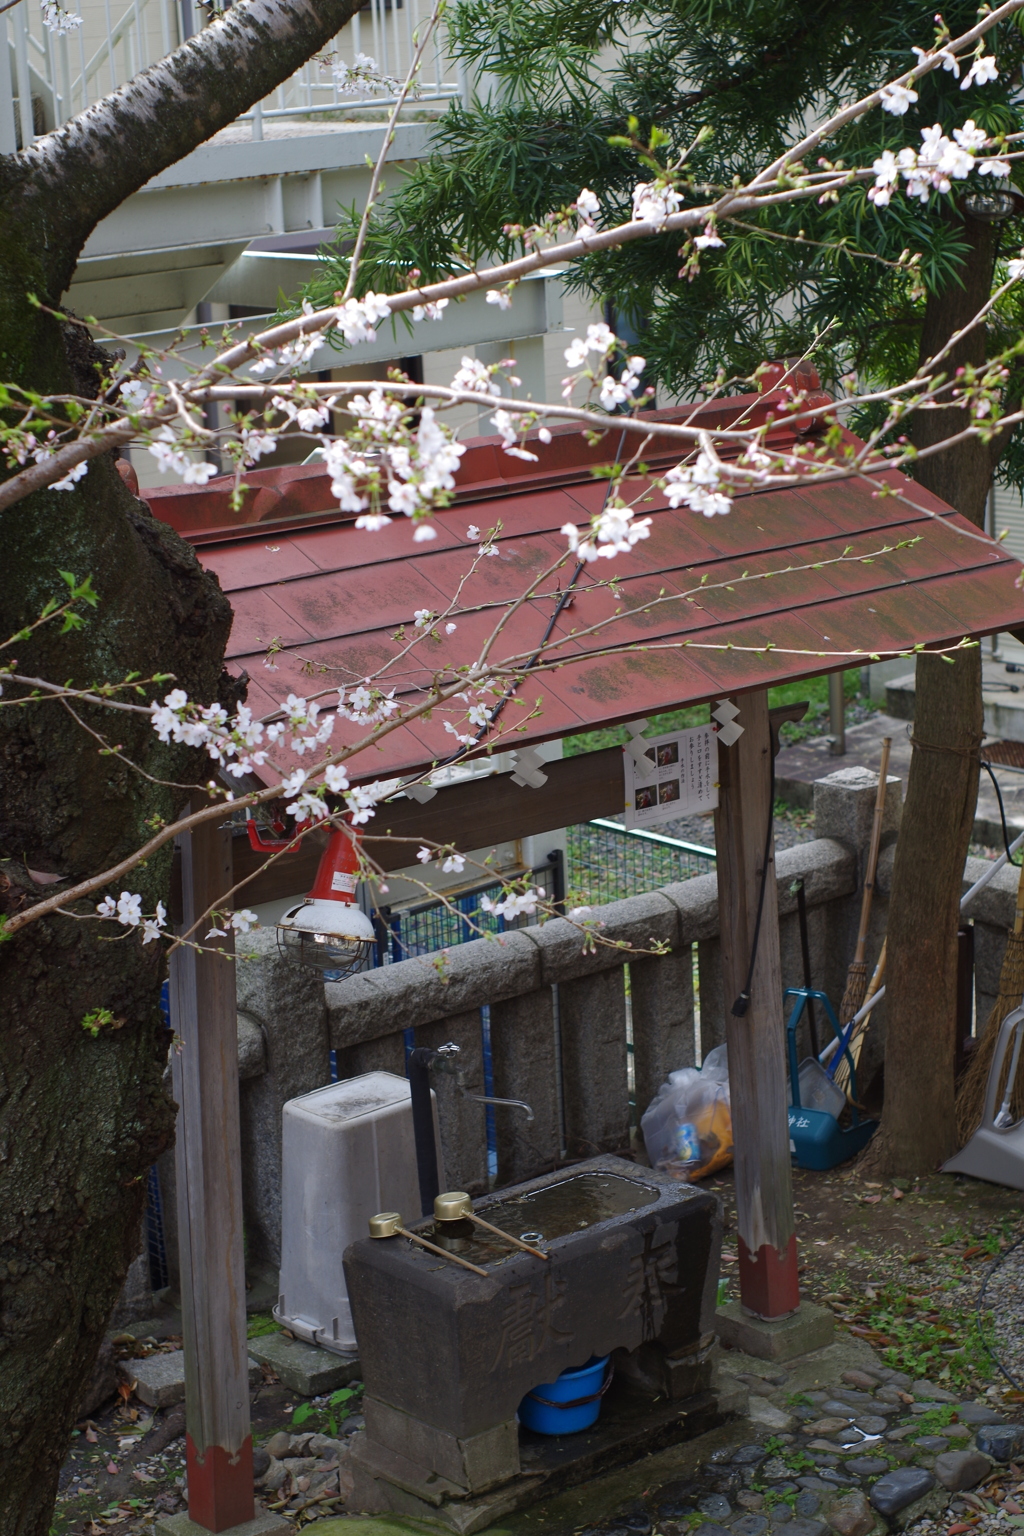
{"x":696,"y":485}
{"x":654,"y":201}
{"x":588,"y":206}
{"x":70,"y":480}
{"x":612,"y":531}
{"x":431,"y":311}
{"x":134,"y":393}
{"x":970,"y":136}
{"x":129,"y":909}
{"x":475,"y":376}
{"x":57,"y":20}
{"x":897,"y":99}
{"x":504,"y":424}
{"x":980,"y":73}
{"x":336,"y":778}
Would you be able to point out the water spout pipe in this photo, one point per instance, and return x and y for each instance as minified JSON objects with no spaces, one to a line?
{"x":480,"y":1098}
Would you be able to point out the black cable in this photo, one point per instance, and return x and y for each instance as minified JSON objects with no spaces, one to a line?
{"x":1002,"y":813}
{"x":978,"y":1310}
{"x":742,"y":1003}
{"x":805,"y":950}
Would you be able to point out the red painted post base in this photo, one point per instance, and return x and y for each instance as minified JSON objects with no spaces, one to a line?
{"x":768,"y":1282}
{"x":219,"y":1485}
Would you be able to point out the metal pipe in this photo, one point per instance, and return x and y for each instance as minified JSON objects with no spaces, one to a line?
{"x":837,"y":714}
{"x":990,"y":873}
{"x":417,"y":1069}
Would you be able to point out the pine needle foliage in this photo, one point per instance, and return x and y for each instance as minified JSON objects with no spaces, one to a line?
{"x":558,"y":79}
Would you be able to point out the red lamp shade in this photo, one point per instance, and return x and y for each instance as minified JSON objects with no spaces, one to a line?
{"x":328,"y":931}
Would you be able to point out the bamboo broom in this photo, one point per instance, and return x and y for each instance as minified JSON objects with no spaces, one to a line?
{"x":970,"y":1101}
{"x":857,"y":975}
{"x":856,"y":1044}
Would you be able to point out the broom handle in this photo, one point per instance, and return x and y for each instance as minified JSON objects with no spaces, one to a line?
{"x":876,"y":842}
{"x":1018,"y":916}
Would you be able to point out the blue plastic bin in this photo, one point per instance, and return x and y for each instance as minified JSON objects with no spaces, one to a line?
{"x":571,"y":1403}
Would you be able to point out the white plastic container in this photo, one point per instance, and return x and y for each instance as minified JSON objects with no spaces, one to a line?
{"x":347,"y":1153}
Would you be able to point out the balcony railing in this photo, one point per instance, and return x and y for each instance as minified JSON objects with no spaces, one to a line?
{"x":55,"y":78}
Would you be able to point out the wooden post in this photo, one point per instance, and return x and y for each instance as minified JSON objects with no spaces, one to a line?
{"x":757,"y":1059}
{"x":204,"y":1061}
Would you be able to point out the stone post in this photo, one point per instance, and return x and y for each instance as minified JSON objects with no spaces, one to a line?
{"x":286,"y":1004}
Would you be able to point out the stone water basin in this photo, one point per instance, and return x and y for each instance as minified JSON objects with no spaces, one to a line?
{"x":633,"y":1263}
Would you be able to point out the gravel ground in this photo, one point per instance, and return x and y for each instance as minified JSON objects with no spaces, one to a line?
{"x":791,"y":827}
{"x":1003,"y":1301}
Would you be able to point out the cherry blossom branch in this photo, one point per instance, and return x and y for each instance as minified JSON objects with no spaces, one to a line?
{"x":59,"y":692}
{"x":386,"y":143}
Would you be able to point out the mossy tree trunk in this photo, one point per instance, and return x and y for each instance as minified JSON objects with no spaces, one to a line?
{"x":917,"y":1132}
{"x":83,"y":1118}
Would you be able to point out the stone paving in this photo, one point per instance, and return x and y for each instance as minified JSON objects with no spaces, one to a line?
{"x":876,"y":1451}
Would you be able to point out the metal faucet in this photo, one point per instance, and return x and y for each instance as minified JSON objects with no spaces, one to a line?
{"x":446,"y":1060}
{"x":480,"y":1098}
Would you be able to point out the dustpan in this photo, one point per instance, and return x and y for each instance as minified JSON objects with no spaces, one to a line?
{"x":996,"y":1150}
{"x":816,"y":1139}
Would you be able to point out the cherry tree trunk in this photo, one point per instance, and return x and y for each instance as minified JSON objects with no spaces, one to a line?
{"x":83,"y":1115}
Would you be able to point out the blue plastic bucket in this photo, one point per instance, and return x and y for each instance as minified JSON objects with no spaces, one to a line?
{"x":571,"y":1403}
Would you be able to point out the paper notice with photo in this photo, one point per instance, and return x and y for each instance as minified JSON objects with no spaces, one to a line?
{"x":682,"y":781}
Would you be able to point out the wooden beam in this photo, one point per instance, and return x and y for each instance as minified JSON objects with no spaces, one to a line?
{"x":204,"y":1063}
{"x":756,"y":1037}
{"x":478,"y":813}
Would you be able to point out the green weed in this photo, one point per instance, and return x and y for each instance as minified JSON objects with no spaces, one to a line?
{"x":338,"y":1407}
{"x":913,"y":1335}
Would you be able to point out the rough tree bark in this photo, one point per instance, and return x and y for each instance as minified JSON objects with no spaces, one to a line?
{"x":82,"y":1118}
{"x":917,"y":1130}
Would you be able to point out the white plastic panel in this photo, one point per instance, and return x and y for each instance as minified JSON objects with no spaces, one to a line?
{"x":347,"y":1152}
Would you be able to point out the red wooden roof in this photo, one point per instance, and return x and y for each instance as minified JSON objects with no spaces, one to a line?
{"x":332,"y":596}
